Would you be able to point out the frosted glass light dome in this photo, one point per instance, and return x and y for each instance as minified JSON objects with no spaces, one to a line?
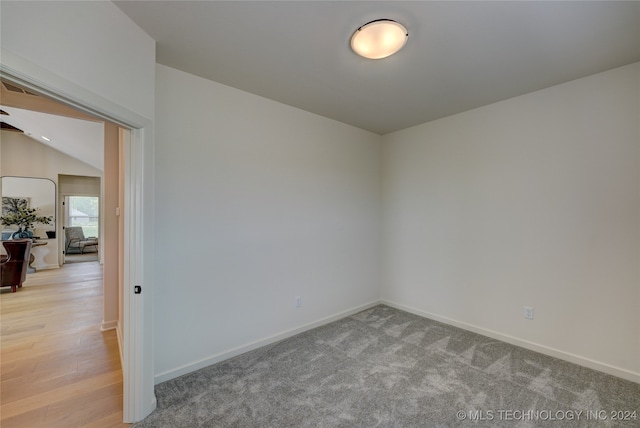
{"x":379,"y":39}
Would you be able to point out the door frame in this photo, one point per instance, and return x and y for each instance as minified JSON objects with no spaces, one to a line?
{"x":64,"y":207}
{"x":137,"y":347}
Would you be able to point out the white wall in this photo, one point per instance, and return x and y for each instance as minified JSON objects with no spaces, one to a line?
{"x":91,"y":43}
{"x":257,"y":203}
{"x":43,"y":161}
{"x":534,"y":201}
{"x":79,"y":185}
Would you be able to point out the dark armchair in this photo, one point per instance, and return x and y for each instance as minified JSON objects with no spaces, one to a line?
{"x":15,"y":263}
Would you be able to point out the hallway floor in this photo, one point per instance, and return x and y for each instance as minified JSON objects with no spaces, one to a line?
{"x":57,"y":368}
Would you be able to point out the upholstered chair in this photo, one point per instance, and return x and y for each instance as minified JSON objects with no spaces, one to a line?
{"x":15,"y":263}
{"x":76,"y":240}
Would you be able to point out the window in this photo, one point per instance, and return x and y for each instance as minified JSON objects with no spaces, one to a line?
{"x":84,"y":212}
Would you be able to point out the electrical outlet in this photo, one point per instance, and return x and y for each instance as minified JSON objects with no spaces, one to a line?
{"x":528,"y":312}
{"x":298,"y":301}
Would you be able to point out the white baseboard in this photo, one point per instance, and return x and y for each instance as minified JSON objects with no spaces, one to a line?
{"x":572,"y":358}
{"x":45,"y":267}
{"x":109,"y":325}
{"x":188,"y":368}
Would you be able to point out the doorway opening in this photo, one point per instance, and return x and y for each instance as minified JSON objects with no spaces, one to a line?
{"x":135,"y":238}
{"x":81,"y":228}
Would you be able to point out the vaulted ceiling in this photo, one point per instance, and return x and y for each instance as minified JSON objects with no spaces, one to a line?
{"x":53,"y":124}
{"x":460,"y":55}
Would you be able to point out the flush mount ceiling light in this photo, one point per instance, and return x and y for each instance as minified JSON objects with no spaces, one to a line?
{"x":379,"y":39}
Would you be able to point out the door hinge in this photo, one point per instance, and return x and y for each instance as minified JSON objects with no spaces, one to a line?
{"x":137,"y":289}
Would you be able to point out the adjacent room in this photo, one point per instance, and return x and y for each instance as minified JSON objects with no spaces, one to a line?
{"x":59,"y":320}
{"x":323,"y":234}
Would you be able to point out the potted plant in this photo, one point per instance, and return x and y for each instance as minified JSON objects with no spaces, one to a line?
{"x":24,"y":218}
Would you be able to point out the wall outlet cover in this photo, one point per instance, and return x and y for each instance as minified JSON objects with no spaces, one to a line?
{"x":528,"y":312}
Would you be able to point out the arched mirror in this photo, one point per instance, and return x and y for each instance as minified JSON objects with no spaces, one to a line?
{"x":37,"y":194}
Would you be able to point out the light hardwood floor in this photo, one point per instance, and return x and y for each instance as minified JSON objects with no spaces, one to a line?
{"x":57,"y":368}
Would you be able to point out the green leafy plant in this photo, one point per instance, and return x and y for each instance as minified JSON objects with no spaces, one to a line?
{"x":24,"y":218}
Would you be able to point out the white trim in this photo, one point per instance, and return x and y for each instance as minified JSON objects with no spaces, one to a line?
{"x":108,"y":325}
{"x":39,"y":79}
{"x":196,"y":365}
{"x":552,"y":352}
{"x":138,"y":346}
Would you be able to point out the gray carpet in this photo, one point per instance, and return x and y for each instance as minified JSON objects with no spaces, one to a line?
{"x":388,"y":368}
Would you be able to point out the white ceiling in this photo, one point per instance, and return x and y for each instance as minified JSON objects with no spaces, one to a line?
{"x":80,"y":139}
{"x":460,"y":55}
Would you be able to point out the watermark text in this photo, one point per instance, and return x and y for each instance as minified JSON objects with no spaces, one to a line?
{"x":546,"y":415}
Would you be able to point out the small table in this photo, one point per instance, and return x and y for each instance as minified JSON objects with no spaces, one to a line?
{"x":34,"y":244}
